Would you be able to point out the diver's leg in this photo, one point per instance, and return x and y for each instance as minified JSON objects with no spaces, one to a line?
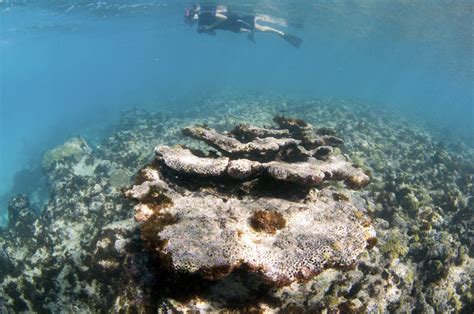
{"x":293,"y":40}
{"x":268,"y":29}
{"x":249,"y":34}
{"x":271,"y":19}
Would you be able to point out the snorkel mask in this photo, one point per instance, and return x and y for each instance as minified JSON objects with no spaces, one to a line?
{"x":189,"y":14}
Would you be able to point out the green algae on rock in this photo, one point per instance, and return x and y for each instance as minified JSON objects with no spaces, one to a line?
{"x":214,"y":231}
{"x":74,"y":148}
{"x":119,"y":178}
{"x":395,"y":246}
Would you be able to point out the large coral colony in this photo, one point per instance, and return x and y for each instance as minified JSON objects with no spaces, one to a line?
{"x":221,"y":208}
{"x":213,"y":213}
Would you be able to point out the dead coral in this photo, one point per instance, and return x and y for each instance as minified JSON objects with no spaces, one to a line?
{"x":293,"y":141}
{"x":291,"y":124}
{"x":247,"y":133}
{"x":182,"y":160}
{"x":195,"y":226}
{"x":215,"y":233}
{"x":259,"y":147}
{"x":309,"y":137}
{"x":311,"y":172}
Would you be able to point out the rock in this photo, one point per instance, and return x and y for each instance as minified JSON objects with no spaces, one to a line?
{"x":437,"y":270}
{"x":119,"y":178}
{"x":322,"y":152}
{"x":6,"y":265}
{"x":395,"y":246}
{"x":75,"y":148}
{"x":20,"y":215}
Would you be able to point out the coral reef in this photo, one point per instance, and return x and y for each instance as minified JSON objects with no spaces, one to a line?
{"x":292,"y":156}
{"x":20,"y":215}
{"x":84,"y":252}
{"x":211,"y":229}
{"x":259,"y":147}
{"x":48,"y":251}
{"x":74,"y":148}
{"x":311,"y":172}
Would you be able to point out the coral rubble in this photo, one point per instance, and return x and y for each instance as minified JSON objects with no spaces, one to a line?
{"x":204,"y":225}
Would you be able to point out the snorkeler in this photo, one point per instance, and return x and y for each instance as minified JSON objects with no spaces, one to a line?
{"x":211,"y":18}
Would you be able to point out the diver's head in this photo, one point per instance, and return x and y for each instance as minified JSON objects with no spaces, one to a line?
{"x":191,"y":14}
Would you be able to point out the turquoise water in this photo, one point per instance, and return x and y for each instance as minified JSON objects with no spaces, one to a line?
{"x":71,"y":67}
{"x":352,"y":193}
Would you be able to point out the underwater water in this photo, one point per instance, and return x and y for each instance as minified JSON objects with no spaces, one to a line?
{"x":72,"y":68}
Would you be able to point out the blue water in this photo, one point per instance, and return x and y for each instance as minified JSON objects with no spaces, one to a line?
{"x":70,"y":67}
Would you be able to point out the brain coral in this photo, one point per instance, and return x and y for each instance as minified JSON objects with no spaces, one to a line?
{"x":198,"y":217}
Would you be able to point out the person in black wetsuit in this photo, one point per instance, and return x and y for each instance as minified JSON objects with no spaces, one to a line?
{"x":215,"y":17}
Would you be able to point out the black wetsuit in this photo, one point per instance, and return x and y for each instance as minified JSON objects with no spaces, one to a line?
{"x":233,"y":23}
